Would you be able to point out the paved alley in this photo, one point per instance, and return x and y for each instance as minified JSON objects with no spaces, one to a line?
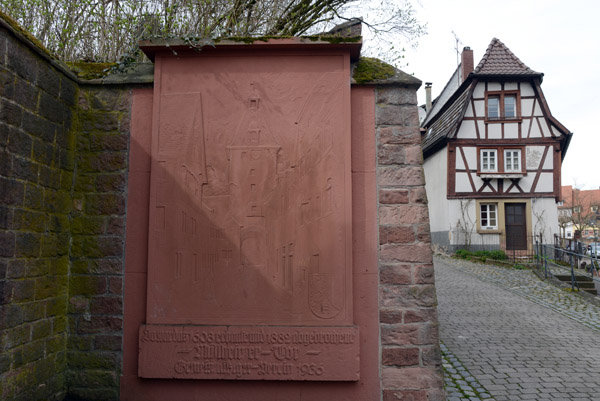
{"x":506,"y":335}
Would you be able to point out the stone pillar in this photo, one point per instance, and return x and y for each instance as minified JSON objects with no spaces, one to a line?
{"x":411,"y":359}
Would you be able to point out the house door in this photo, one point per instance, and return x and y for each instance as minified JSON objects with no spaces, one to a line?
{"x":516,"y":229}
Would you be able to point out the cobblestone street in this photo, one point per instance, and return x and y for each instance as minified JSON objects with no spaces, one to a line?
{"x":506,"y":335}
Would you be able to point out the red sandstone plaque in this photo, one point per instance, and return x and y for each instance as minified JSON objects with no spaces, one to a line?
{"x":250,"y":212}
{"x":249,"y":352}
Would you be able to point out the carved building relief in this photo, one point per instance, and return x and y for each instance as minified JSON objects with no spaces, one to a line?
{"x":250,"y":194}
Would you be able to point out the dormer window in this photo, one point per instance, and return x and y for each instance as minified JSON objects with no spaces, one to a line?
{"x":502,"y":106}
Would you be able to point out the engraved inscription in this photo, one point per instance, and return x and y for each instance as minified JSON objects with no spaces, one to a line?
{"x":273,"y":353}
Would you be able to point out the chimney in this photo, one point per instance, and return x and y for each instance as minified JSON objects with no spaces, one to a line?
{"x":428,"y":96}
{"x":466,"y":66}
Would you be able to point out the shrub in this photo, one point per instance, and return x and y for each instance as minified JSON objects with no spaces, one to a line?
{"x":462,"y":253}
{"x":483,"y":255}
{"x":498,"y":255}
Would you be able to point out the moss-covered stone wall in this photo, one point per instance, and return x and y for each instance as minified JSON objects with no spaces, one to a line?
{"x":37,"y":143}
{"x":63,"y":173}
{"x":95,"y":307}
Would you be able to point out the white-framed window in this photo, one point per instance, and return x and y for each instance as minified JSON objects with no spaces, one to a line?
{"x":488,"y":216}
{"x":512,"y":160}
{"x":489,"y":160}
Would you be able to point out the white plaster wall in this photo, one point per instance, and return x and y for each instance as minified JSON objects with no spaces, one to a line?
{"x":478,"y":182}
{"x":511,"y":86}
{"x":526,"y":107}
{"x":545,"y":128}
{"x":467,"y":130}
{"x":471,"y":156}
{"x":460,"y":164}
{"x":480,"y":108}
{"x":494,"y":86}
{"x":526,"y":89}
{"x":535,"y":129}
{"x":479,"y":90}
{"x":525,"y":128}
{"x":457,"y":236}
{"x":549,"y":162}
{"x":462,"y":183}
{"x":545,"y":183}
{"x":515,"y":190}
{"x":481,"y":126}
{"x":544,"y":218}
{"x":494,"y":131}
{"x":436,"y":167}
{"x":469,"y":110}
{"x":526,"y":182}
{"x":511,"y":130}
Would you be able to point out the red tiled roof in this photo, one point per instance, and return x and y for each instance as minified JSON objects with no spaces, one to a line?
{"x":580,"y":197}
{"x":499,"y":60}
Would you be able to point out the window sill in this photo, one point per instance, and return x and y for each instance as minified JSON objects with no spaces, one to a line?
{"x":489,"y":231}
{"x":503,"y":120}
{"x":487,"y":176}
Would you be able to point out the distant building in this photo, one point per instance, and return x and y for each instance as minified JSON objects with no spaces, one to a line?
{"x":492,"y":155}
{"x":579,"y":213}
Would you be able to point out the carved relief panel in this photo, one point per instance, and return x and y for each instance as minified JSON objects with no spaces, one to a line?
{"x":250,"y":213}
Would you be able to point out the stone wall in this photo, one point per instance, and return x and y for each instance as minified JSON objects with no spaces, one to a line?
{"x":98,"y":243}
{"x":37,"y":107}
{"x":64,"y":147}
{"x":63,"y":172}
{"x":411,"y":356}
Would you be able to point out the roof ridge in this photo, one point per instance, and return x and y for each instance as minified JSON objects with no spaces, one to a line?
{"x":500,"y":60}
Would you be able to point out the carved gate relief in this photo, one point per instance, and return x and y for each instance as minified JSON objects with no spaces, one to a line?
{"x":249,"y":263}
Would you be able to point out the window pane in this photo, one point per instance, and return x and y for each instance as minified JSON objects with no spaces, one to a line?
{"x":510,"y":106}
{"x":493,"y":107}
{"x":488,"y":160}
{"x":512,"y":160}
{"x":487,"y":215}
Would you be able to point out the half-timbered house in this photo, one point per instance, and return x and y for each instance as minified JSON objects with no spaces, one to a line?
{"x":492,"y":155}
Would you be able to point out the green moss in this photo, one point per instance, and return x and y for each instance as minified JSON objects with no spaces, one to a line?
{"x":49,"y":286}
{"x":335,"y":39}
{"x":86,"y":70}
{"x":87,"y":286}
{"x":56,"y":343}
{"x":313,"y":38}
{"x":88,"y":360}
{"x":87,"y":225}
{"x":371,"y":69}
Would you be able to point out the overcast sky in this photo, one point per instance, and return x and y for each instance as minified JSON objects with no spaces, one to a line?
{"x":558,"y":38}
